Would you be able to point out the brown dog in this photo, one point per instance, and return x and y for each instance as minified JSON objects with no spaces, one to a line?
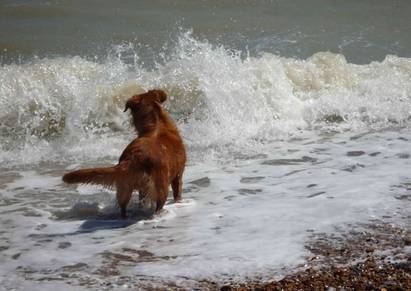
{"x":150,"y":163}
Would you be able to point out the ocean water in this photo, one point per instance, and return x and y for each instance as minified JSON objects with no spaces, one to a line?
{"x":295,"y":115}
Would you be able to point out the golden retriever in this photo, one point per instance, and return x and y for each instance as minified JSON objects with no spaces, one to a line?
{"x":150,"y":163}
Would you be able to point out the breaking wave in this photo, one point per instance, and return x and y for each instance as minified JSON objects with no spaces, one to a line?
{"x":71,"y":107}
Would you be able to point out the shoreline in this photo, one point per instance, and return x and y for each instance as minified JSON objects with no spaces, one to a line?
{"x":374,"y":256}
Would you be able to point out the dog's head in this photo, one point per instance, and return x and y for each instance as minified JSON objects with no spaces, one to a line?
{"x":146,"y":109}
{"x":145,"y":103}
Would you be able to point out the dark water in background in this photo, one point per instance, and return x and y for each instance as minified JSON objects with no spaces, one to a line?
{"x":362,"y":31}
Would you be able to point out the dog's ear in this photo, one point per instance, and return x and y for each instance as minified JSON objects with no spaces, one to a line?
{"x":127,"y":107}
{"x":133,"y":102}
{"x":159,"y":95}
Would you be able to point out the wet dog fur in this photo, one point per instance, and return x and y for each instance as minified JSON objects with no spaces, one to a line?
{"x":150,"y":163}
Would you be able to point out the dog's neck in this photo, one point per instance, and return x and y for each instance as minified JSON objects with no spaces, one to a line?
{"x":152,"y":123}
{"x":147,"y":125}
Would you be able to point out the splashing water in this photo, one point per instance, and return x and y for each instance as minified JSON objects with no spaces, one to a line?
{"x":218,"y":97}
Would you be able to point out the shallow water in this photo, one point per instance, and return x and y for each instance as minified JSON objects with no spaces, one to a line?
{"x":292,"y":126}
{"x":249,"y":218}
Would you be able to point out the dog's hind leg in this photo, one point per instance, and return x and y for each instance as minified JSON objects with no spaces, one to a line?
{"x":161,"y":197}
{"x":161,"y":200}
{"x":177,"y":186}
{"x":123,"y":197}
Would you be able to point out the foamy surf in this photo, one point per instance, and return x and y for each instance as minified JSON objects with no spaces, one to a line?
{"x":272,"y":202}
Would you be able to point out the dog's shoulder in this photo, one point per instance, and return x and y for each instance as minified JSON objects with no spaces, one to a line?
{"x":141,"y":153}
{"x":137,"y":148}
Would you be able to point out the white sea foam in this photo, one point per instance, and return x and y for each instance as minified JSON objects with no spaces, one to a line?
{"x":33,"y":180}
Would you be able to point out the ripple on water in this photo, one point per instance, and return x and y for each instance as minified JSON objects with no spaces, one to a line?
{"x":284,"y":162}
{"x":249,"y":191}
{"x":316,"y":194}
{"x":64,"y":245}
{"x":355,"y":153}
{"x":352,"y":168}
{"x":202,"y":182}
{"x":403,"y":155}
{"x":250,"y":180}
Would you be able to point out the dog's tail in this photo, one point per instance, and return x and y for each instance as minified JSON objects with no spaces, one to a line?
{"x":98,"y":176}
